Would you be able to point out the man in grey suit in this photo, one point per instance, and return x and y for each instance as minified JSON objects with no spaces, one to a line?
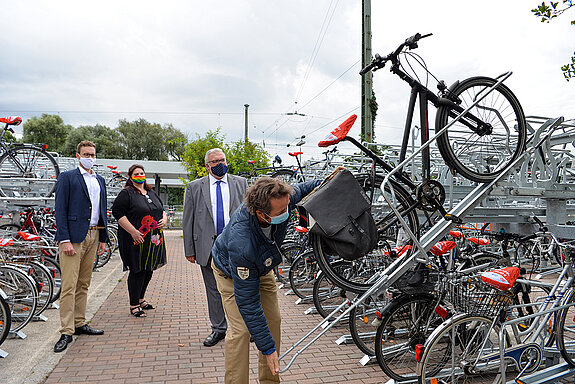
{"x":209,"y":203}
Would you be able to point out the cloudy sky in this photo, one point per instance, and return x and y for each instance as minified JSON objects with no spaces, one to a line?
{"x":196,"y":63}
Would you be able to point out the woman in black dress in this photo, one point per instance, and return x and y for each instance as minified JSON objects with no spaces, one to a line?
{"x":141,"y":218}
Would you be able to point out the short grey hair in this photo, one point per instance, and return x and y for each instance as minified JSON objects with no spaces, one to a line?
{"x":213,"y":150}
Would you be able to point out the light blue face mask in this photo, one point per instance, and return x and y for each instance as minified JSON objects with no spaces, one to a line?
{"x":280,"y":218}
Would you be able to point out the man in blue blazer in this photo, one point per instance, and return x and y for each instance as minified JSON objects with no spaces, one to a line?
{"x":81,"y":208}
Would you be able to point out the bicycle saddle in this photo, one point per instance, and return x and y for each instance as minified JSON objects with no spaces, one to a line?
{"x":11,"y":120}
{"x":442,"y":247}
{"x":501,"y":279}
{"x":456,"y":234}
{"x":339,"y":133}
{"x":294,"y":154}
{"x":251,"y":161}
{"x":112,"y":166}
{"x":478,"y":241}
{"x":6,"y":242}
{"x":28,"y":236}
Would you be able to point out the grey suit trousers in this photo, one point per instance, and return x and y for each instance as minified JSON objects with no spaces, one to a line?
{"x":215,"y":308}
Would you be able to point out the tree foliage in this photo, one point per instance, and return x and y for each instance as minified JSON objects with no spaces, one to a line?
{"x":107,"y":140}
{"x":547,"y":12}
{"x":239,"y":152}
{"x":195,"y":151}
{"x":47,"y":129}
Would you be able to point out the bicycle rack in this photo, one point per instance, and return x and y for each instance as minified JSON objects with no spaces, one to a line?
{"x":383,"y":279}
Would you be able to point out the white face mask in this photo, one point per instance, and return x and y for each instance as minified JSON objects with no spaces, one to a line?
{"x":87,"y":162}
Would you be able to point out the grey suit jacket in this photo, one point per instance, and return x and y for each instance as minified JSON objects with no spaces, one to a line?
{"x":198,"y":219}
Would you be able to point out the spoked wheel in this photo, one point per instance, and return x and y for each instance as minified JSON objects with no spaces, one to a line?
{"x":5,"y":317}
{"x":407,"y":321}
{"x":452,"y":354}
{"x":302,"y":274}
{"x":489,"y":138}
{"x":22,"y":296}
{"x":27,"y":171}
{"x":358,"y":277}
{"x":361,"y":323}
{"x":326,"y":295}
{"x":287,"y":175}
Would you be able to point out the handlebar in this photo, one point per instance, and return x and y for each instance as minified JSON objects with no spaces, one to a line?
{"x":379,"y":62}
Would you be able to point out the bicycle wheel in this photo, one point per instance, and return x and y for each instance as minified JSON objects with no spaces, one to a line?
{"x":452,"y":353}
{"x":20,"y":290}
{"x":28,"y":162}
{"x":56,"y":272}
{"x":565,"y":331}
{"x":326,"y":295}
{"x":356,"y":278}
{"x":361,"y":326}
{"x":5,"y":317}
{"x":44,"y":285}
{"x":480,"y":150}
{"x":302,"y":274}
{"x":289,"y":250}
{"x":406,"y":321}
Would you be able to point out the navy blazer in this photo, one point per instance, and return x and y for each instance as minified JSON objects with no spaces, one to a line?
{"x":73,"y":207}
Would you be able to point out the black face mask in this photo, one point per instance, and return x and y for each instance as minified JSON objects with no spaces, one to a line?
{"x":220,"y":170}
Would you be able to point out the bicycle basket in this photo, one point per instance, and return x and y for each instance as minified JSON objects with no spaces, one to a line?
{"x":478,"y":299}
{"x":420,"y":279}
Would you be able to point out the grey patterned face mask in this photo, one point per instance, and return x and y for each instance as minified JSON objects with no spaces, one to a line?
{"x":87,"y":162}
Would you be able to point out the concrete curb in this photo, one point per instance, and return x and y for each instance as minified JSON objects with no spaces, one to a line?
{"x":30,"y":360}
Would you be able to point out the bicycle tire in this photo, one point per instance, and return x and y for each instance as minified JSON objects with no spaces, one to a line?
{"x":405,"y":322}
{"x":5,"y":317}
{"x":481,"y":157}
{"x":470,"y":334}
{"x":302,"y":274}
{"x":22,"y":295}
{"x":289,"y":250}
{"x":30,"y":162}
{"x":388,"y":230}
{"x":361,"y":327}
{"x":565,"y":331}
{"x":326,"y":295}
{"x":56,"y":272}
{"x":45,"y":285}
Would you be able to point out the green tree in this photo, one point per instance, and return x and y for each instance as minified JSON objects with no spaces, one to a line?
{"x":143,"y":140}
{"x":239,"y":152}
{"x":175,"y":142}
{"x":195,"y":152}
{"x":107,"y":140}
{"x":47,"y":129}
{"x":547,"y":12}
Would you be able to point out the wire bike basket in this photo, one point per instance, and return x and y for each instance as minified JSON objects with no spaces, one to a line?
{"x":477,"y":299}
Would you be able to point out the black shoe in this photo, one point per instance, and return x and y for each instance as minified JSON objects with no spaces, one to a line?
{"x":87,"y":330}
{"x":62,"y":343}
{"x":214,"y":338}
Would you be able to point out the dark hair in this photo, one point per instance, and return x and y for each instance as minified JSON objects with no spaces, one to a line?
{"x":84,"y":143}
{"x":130,"y":183}
{"x":257,"y":197}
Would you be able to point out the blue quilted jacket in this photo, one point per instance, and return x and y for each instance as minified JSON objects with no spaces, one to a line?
{"x":243,"y":245}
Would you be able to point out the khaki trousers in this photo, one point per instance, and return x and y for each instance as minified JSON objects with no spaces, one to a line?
{"x":76,"y":278}
{"x":237,"y":347}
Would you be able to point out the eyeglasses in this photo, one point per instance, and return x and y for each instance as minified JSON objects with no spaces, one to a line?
{"x":148,"y":198}
{"x":216,"y":162}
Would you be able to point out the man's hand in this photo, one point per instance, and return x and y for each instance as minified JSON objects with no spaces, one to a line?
{"x":335,"y":171}
{"x":191,"y":259}
{"x":101,"y":249}
{"x":273,"y":362}
{"x":68,"y":249}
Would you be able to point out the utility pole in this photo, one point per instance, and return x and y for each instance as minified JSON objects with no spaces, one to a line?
{"x":246,"y":123}
{"x":367,"y":79}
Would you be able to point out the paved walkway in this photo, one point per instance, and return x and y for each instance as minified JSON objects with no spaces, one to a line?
{"x":166,"y":347}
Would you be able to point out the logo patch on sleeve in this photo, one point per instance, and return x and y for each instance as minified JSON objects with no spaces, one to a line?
{"x":243,"y":272}
{"x":268,"y":262}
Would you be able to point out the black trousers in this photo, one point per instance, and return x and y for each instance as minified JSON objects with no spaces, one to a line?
{"x":137,"y":285}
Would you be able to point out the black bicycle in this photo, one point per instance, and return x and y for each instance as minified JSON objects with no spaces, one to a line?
{"x":27,"y":162}
{"x":486,"y":132}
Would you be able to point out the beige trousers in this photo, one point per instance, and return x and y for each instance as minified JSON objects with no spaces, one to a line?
{"x":237,"y":341}
{"x":76,"y":278}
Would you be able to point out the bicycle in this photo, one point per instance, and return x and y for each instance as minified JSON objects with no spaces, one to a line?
{"x":254,"y":172}
{"x":484,"y":340}
{"x":5,"y":317}
{"x":27,"y":162}
{"x":297,"y":175}
{"x":483,"y":108}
